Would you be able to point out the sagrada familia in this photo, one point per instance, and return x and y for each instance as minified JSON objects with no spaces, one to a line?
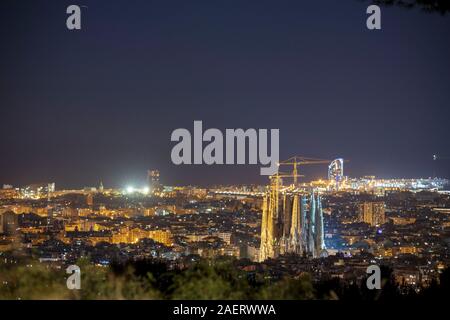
{"x":292,"y":222}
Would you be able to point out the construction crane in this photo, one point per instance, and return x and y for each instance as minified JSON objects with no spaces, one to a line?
{"x":299,"y":161}
{"x":280,"y":175}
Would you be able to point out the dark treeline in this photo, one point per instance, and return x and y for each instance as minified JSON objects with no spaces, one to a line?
{"x":440,"y":6}
{"x":206,"y":279}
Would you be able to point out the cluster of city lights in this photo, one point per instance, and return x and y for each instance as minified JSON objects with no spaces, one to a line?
{"x":132,"y":189}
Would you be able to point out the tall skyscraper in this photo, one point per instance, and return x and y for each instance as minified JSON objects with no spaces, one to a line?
{"x":292,"y":222}
{"x":336,"y":172}
{"x":154,"y":184}
{"x":372,"y":213}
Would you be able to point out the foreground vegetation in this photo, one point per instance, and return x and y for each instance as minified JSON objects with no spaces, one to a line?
{"x":207,"y":279}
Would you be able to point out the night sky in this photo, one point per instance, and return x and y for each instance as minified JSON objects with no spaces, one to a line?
{"x":78,"y":107}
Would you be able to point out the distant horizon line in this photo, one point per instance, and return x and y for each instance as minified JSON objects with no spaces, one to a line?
{"x":209,"y":185}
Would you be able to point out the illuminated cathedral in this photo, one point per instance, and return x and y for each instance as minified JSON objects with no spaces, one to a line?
{"x":292,"y":222}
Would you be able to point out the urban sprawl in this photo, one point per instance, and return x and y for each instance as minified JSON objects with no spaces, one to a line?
{"x":330,"y":228}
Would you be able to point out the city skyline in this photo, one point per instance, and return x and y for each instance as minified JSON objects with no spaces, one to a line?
{"x":322,"y":232}
{"x":142,"y":181}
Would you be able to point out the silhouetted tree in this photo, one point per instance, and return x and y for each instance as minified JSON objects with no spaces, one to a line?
{"x":440,"y":6}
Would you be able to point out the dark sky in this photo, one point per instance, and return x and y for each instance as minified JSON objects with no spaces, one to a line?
{"x":78,"y":107}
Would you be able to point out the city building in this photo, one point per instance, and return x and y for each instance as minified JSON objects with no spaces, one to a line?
{"x":90,"y":199}
{"x":8,"y":223}
{"x":336,"y":172}
{"x":8,"y":192}
{"x":37,"y":191}
{"x":372,"y":213}
{"x":154,"y":184}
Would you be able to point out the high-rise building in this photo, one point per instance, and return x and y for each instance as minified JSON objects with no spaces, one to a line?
{"x":154,"y":184}
{"x":292,"y":222}
{"x":372,"y":213}
{"x":336,"y":172}
{"x":9,"y":223}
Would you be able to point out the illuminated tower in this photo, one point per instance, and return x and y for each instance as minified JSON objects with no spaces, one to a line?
{"x":270,"y":231}
{"x":295,"y":232}
{"x":319,"y":235}
{"x":304,"y":224}
{"x":336,"y":171}
{"x":265,"y":250}
{"x":154,"y":184}
{"x":311,"y":225}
